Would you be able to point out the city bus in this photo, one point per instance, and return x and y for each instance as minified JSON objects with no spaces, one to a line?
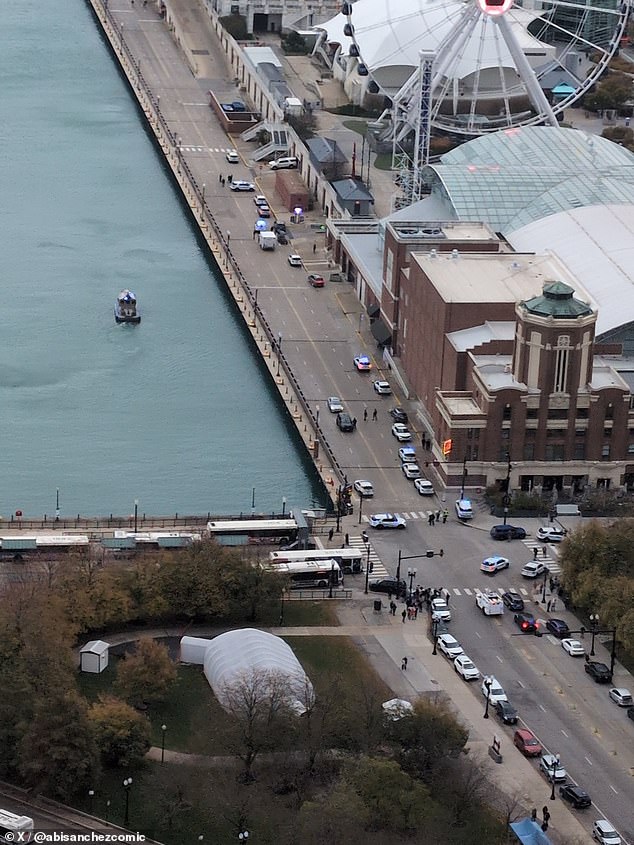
{"x":237,"y":532}
{"x":309,"y":574}
{"x":10,"y":823}
{"x":350,"y":560}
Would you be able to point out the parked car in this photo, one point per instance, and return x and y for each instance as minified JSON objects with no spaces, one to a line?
{"x":282,"y":238}
{"x":241,"y":185}
{"x":440,"y":610}
{"x":365,"y":489}
{"x":449,"y":646}
{"x":527,"y":742}
{"x":621,"y":696}
{"x":630,"y":713}
{"x":264,"y":211}
{"x":494,"y":691}
{"x":552,"y":768}
{"x":599,"y":672}
{"x":382,"y":387}
{"x":573,"y":647}
{"x":283,"y":163}
{"x":466,"y":668}
{"x":334,"y":404}
{"x":604,"y":833}
{"x":464,"y":509}
{"x":507,"y":532}
{"x":506,"y":712}
{"x":315,"y":280}
{"x":424,"y":487}
{"x":407,"y":454}
{"x":398,"y":415}
{"x":401,"y":432}
{"x":575,"y":795}
{"x":410,"y":470}
{"x":513,"y":600}
{"x":526,"y":623}
{"x":387,"y":520}
{"x":261,"y":200}
{"x":558,"y":627}
{"x":551,"y":534}
{"x":494,"y":564}
{"x":295,"y":260}
{"x":232,"y":157}
{"x":362,"y":364}
{"x":388,"y":585}
{"x":533,"y":569}
{"x":345,"y":422}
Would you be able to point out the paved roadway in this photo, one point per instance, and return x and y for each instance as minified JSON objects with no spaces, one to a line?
{"x":320,"y":336}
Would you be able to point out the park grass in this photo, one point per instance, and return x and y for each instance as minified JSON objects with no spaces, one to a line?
{"x":358,"y":126}
{"x":383,"y":161}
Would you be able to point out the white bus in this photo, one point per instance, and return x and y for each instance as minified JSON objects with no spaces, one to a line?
{"x":350,"y":560}
{"x":309,"y":574}
{"x":10,"y":823}
{"x":233,"y":532}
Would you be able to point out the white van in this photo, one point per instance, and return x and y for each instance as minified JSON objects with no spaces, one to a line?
{"x":286,"y":163}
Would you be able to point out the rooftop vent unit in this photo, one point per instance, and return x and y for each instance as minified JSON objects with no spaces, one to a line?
{"x":455,"y":254}
{"x":433,"y":253}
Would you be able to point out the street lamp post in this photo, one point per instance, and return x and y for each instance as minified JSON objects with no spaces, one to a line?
{"x":555,"y":765}
{"x":594,"y":621}
{"x":282,"y":609}
{"x":435,"y":635}
{"x":127,"y":783}
{"x":283,"y":505}
{"x":411,"y":574}
{"x":366,"y":540}
{"x":402,"y":557}
{"x":91,"y":796}
{"x":487,"y":684}
{"x":332,"y":576}
{"x":163,"y":729}
{"x":360,"y":508}
{"x":464,"y":477}
{"x":544,"y":587}
{"x":507,"y":497}
{"x":136,"y":514}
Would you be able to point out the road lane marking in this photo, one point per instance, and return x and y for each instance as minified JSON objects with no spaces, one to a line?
{"x":467,"y":591}
{"x":520,"y":684}
{"x":613,"y":789}
{"x":499,"y":658}
{"x":456,"y":591}
{"x":589,"y":761}
{"x":542,"y":708}
{"x":566,"y":735}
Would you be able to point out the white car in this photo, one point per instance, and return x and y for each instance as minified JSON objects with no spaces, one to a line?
{"x":494,"y":690}
{"x":549,"y":766}
{"x":466,"y":668}
{"x":382,"y":387}
{"x":407,"y":454}
{"x":440,"y":610}
{"x":335,"y":405}
{"x":551,"y":534}
{"x":424,"y":487}
{"x":387,"y":520}
{"x":604,"y":833}
{"x":410,"y":470}
{"x":621,"y":696}
{"x":573,"y":647}
{"x":494,"y":564}
{"x":362,"y":363}
{"x":241,"y":185}
{"x":401,"y":432}
{"x":449,"y":646}
{"x":533,"y":569}
{"x":364,"y":489}
{"x":232,"y":157}
{"x":261,"y":200}
{"x":464,"y":509}
{"x":295,"y":260}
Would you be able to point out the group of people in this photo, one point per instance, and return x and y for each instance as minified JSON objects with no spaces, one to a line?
{"x":375,"y":415}
{"x":437,"y":516}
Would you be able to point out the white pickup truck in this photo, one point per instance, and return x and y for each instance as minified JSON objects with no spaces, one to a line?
{"x":489,"y":602}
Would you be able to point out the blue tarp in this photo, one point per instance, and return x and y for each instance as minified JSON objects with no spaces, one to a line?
{"x":529,"y":832}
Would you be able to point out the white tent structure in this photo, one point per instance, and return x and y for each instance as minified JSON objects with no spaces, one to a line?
{"x":246,"y":657}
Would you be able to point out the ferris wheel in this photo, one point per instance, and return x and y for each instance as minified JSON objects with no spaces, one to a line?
{"x":469,"y":67}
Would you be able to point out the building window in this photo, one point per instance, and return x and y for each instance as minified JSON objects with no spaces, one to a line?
{"x":531,"y":413}
{"x":607,"y":432}
{"x":561,"y":363}
{"x":468,"y":453}
{"x":609,"y":412}
{"x":475,"y":454}
{"x":555,"y":452}
{"x":505,"y":433}
{"x":476,"y":434}
{"x":582,"y":413}
{"x":506,"y":413}
{"x":556,"y":432}
{"x":469,"y":434}
{"x":630,"y":449}
{"x":530,"y":433}
{"x":605,"y":452}
{"x":558,"y":414}
{"x":580,"y":451}
{"x":529,"y":451}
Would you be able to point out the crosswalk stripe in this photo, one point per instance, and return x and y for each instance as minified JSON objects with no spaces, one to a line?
{"x":467,"y":591}
{"x":456,"y":591}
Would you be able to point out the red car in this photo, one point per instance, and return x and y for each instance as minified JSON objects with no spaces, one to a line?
{"x":527,"y":743}
{"x":316,"y":281}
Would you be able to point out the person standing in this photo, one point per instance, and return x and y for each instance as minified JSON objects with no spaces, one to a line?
{"x":404,"y":615}
{"x":347,"y":539}
{"x":331,"y":534}
{"x":445,"y":516}
{"x":535,"y":555}
{"x":354,"y":422}
{"x":365,"y":415}
{"x":314,"y":248}
{"x":404,"y":664}
{"x":375,"y":414}
{"x":438,"y":516}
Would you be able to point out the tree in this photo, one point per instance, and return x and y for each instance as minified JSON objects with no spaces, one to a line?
{"x":337,"y":817}
{"x":122,"y":734}
{"x":294,"y":43}
{"x":58,"y":754}
{"x":146,"y":674}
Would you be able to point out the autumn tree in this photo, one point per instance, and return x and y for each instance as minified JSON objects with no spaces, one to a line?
{"x":122,"y":734}
{"x":146,"y":674}
{"x":58,"y":754}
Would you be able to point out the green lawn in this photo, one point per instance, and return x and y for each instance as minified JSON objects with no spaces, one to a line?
{"x":358,"y":126}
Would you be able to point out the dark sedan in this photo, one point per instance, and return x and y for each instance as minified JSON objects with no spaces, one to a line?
{"x":398,"y":415}
{"x":526,"y":623}
{"x":513,"y":600}
{"x":507,"y":532}
{"x":506,"y":712}
{"x":558,"y":627}
{"x":388,"y":585}
{"x":577,"y":796}
{"x":599,"y":672}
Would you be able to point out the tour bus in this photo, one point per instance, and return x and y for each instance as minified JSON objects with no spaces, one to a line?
{"x":10,"y":823}
{"x":237,"y":532}
{"x":309,"y":574}
{"x":350,"y":560}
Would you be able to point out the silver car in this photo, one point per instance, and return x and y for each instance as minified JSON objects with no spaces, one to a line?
{"x":449,"y":646}
{"x":335,"y":405}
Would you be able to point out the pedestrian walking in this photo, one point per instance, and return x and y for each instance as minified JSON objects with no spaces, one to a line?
{"x":543,"y":551}
{"x":393,"y":608}
{"x":431,"y":519}
{"x":438,"y":516}
{"x":314,"y":248}
{"x":553,"y":605}
{"x":331,"y":534}
{"x":546,"y":813}
{"x":544,"y":826}
{"x":535,"y":554}
{"x":534,"y":814}
{"x":347,"y":539}
{"x":222,"y":181}
{"x":548,"y":606}
{"x":365,"y":415}
{"x":404,"y":664}
{"x":230,"y":178}
{"x":375,"y":414}
{"x":404,"y":615}
{"x":354,"y":422}
{"x":445,"y":516}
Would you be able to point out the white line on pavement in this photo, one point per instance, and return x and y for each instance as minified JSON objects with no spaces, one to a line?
{"x":613,"y":789}
{"x":565,"y":734}
{"x":588,"y":760}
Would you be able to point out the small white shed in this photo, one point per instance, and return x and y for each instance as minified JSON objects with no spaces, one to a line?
{"x":93,"y":656}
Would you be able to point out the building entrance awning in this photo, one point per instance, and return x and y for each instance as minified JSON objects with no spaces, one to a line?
{"x":381,"y":333}
{"x":374,"y":310}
